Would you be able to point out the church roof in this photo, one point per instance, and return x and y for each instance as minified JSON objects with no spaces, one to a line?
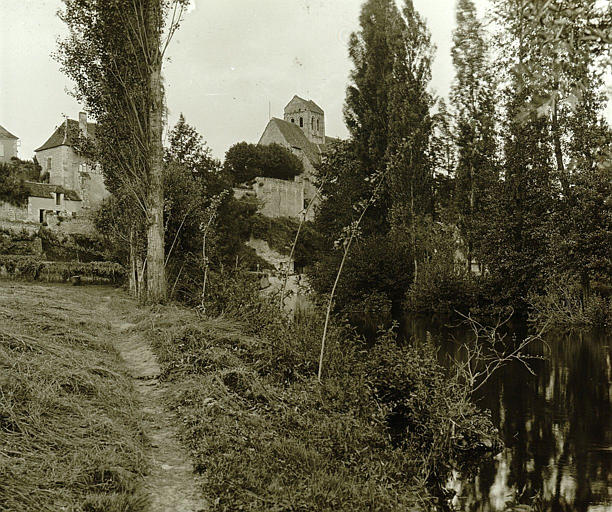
{"x":45,"y":189}
{"x":64,"y":134}
{"x":296,"y":138}
{"x":5,"y":134}
{"x":309,"y":103}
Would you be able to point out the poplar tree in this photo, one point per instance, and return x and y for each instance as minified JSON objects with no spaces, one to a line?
{"x":411,"y":163}
{"x":473,"y":92}
{"x":114,"y":54}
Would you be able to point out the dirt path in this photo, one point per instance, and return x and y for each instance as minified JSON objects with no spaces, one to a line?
{"x":171,"y":484}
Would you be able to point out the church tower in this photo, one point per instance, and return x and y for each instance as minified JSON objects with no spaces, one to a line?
{"x":308,"y":116}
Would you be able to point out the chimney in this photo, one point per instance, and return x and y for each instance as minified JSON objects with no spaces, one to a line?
{"x":83,"y":123}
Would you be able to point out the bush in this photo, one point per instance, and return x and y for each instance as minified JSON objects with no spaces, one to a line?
{"x":31,"y":268}
{"x":244,"y":162}
{"x":441,"y":287}
{"x":72,"y":247}
{"x":563,"y":305}
{"x":427,"y":410}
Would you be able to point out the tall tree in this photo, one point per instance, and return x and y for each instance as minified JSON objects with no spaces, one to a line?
{"x":373,"y":51}
{"x":473,"y":94}
{"x":114,"y":54}
{"x":410,"y":162}
{"x":561,"y":49}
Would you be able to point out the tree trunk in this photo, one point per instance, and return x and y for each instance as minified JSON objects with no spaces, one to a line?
{"x":156,"y":276}
{"x":133,"y":268}
{"x":413,"y":232}
{"x":563,"y":176}
{"x":471,"y":228}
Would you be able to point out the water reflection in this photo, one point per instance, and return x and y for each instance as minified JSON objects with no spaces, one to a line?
{"x":557,"y":425}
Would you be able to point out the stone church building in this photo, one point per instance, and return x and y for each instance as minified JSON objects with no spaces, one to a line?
{"x":303,"y":132}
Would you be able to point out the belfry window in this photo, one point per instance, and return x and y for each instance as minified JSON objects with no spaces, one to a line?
{"x":318,"y":125}
{"x":293,"y":120}
{"x":312,"y":123}
{"x":301,"y":122}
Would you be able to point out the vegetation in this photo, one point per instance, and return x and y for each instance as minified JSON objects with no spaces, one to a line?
{"x":244,"y":162}
{"x":12,"y":188}
{"x":374,"y":434}
{"x":114,"y":54}
{"x":33,"y":268}
{"x":512,"y":190}
{"x":69,"y":426}
{"x":280,"y":234}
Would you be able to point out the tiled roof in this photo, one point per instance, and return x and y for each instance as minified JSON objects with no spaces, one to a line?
{"x":64,"y":134}
{"x":296,"y":138}
{"x":5,"y":134}
{"x":45,"y":190}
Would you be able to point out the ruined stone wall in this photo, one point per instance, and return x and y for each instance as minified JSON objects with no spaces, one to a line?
{"x":279,"y":198}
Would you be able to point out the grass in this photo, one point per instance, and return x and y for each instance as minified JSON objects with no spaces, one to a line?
{"x":265,"y":434}
{"x":70,"y":435}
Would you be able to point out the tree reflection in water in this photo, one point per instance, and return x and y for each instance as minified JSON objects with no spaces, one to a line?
{"x":557,"y":425}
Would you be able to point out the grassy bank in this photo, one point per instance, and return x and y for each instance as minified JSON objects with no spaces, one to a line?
{"x":380,"y":433}
{"x":69,"y":425}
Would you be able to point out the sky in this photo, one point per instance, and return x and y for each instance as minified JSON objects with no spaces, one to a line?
{"x":231,"y":64}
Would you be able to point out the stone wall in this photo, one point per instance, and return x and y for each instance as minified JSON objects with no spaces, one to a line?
{"x":280,"y":198}
{"x":10,"y":212}
{"x":81,"y":225}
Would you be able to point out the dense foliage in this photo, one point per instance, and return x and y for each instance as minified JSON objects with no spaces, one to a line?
{"x":12,"y":188}
{"x":244,"y":162}
{"x":490,"y":198}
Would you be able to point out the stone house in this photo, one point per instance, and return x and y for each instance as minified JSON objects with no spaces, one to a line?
{"x":45,"y":199}
{"x":70,"y":174}
{"x":303,"y":132}
{"x":8,"y":145}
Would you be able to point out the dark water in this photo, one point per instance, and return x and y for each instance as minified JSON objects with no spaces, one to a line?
{"x":556,"y":425}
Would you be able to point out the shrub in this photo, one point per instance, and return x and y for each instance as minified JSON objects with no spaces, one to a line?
{"x":267,"y":436}
{"x":562,"y":304}
{"x":441,"y":287}
{"x":244,"y":162}
{"x":31,"y":268}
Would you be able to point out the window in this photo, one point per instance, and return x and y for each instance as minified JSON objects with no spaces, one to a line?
{"x":58,"y":198}
{"x":293,"y":120}
{"x":1,"y":149}
{"x":301,"y":122}
{"x":312,"y":123}
{"x":48,"y":163}
{"x":318,"y":125}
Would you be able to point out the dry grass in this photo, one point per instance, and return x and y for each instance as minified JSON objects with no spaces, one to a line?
{"x":70,"y":435}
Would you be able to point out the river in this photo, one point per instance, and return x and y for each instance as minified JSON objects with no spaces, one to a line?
{"x":556,"y":424}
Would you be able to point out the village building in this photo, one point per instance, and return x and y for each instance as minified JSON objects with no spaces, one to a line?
{"x":8,"y":145}
{"x":71,"y":185}
{"x":302,"y":131}
{"x":75,"y":184}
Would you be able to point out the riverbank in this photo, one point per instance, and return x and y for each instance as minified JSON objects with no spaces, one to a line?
{"x":70,"y":422}
{"x":257,"y":430}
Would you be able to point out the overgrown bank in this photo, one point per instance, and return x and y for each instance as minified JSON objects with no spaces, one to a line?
{"x":70,"y":434}
{"x":382,"y":431}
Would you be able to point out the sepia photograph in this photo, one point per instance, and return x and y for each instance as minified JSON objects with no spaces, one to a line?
{"x":306,"y":255}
